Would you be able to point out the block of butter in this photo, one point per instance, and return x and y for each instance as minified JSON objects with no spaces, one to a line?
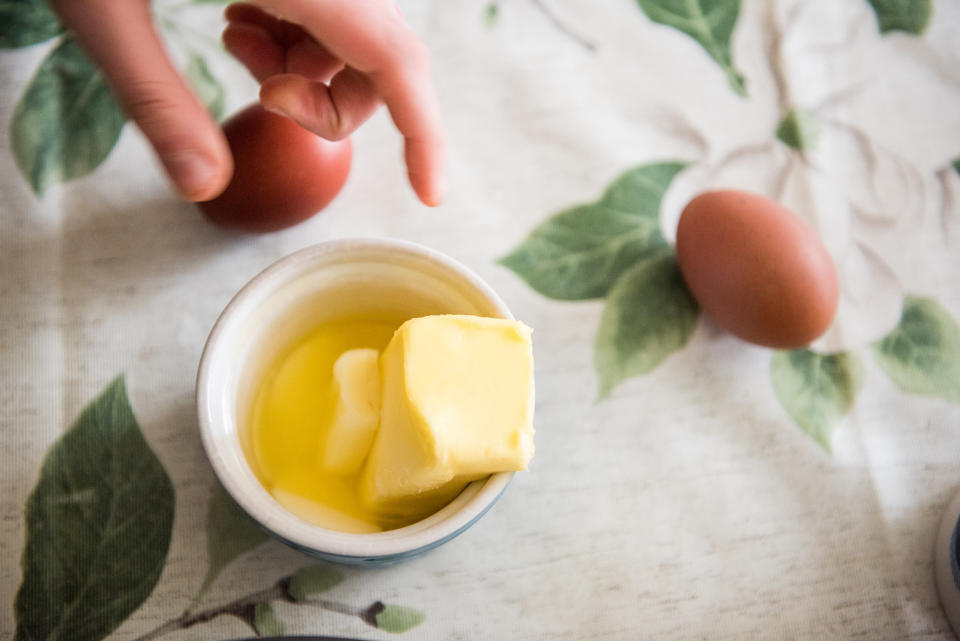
{"x":356,"y":411}
{"x":456,"y":405}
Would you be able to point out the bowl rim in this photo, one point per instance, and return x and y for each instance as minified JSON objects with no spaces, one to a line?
{"x":249,"y":493}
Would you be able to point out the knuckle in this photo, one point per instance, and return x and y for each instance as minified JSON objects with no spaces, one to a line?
{"x":336,"y":128}
{"x":329,"y":121}
{"x":416,"y":57}
{"x":147,"y":99}
{"x":403,"y":56}
{"x":155,"y":109}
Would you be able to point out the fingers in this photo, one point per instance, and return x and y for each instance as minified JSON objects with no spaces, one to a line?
{"x":408,"y":94}
{"x":255,"y":48}
{"x":120,"y":37}
{"x":268,"y":46}
{"x":281,"y":31}
{"x":312,"y":60}
{"x":263,"y":56}
{"x":371,"y":38}
{"x":332,"y":112}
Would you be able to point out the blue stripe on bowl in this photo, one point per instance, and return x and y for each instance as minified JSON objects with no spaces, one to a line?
{"x":955,"y":554}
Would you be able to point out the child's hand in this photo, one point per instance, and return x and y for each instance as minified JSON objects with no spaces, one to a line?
{"x":331,"y":72}
{"x":367,"y":54}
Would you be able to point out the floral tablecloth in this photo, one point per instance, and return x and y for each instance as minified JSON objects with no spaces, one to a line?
{"x":686,"y":485}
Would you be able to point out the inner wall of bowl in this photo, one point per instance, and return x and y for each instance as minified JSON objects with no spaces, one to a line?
{"x":341,"y":290}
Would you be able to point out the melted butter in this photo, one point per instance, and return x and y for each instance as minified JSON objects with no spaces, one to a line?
{"x":457,"y":405}
{"x":292,"y":412}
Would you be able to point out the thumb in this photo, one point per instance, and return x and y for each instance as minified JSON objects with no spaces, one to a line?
{"x":120,"y":38}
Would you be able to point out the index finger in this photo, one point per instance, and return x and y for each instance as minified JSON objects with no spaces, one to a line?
{"x":408,"y":93}
{"x":373,"y":38}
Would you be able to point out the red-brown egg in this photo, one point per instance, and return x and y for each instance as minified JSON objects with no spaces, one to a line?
{"x":757,"y":269}
{"x":283,"y":174}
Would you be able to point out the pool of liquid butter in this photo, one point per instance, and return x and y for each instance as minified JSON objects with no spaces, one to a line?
{"x":290,"y":417}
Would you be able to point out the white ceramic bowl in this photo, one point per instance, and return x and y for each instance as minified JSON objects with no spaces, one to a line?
{"x":324,"y":282}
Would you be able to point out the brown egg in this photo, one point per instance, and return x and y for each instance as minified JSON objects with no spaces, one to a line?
{"x":757,"y":269}
{"x":283,"y":174}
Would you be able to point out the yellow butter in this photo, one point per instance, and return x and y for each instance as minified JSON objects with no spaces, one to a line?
{"x":356,"y":411}
{"x":456,"y":405}
{"x":293,"y":412}
{"x":323,"y":515}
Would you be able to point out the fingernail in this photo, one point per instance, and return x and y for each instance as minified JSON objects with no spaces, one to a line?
{"x":274,"y":109}
{"x":192,"y":172}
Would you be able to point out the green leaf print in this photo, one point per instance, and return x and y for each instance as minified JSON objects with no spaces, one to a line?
{"x":709,"y":22}
{"x":817,"y":390}
{"x":922,"y":354}
{"x":491,"y":14}
{"x":799,"y":130}
{"x":579,"y":253}
{"x":265,"y":620}
{"x":67,"y":121}
{"x":911,"y":16}
{"x":207,"y":87}
{"x":393,"y":618}
{"x":956,"y":164}
{"x":230,"y":533}
{"x":649,"y":315}
{"x":312,"y":580}
{"x":98,"y":527}
{"x":26,"y":22}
